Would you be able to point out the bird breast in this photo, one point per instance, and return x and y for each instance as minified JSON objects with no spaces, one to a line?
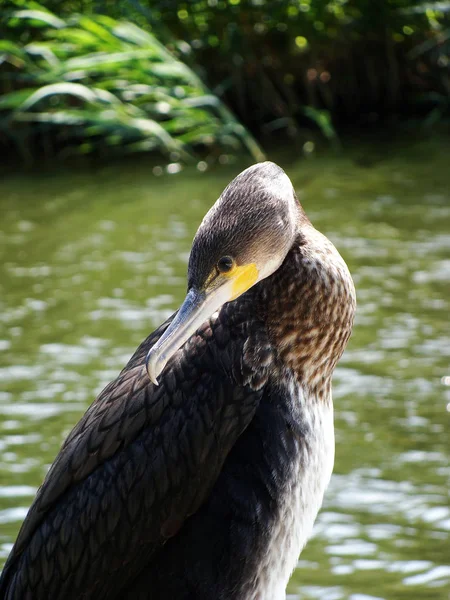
{"x":301,"y":495}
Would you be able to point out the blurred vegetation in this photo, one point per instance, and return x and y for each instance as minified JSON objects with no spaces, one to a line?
{"x":95,"y":84}
{"x":355,"y":61}
{"x":135,"y":75}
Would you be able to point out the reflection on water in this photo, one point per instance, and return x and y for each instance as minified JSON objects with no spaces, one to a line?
{"x":92,"y":262}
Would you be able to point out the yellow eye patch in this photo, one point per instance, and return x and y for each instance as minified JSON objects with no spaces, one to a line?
{"x":243,"y":278}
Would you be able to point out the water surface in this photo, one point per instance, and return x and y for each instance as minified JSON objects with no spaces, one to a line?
{"x":93,"y":261}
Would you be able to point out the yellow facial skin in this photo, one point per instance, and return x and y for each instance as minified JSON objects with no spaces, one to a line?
{"x":241,"y":279}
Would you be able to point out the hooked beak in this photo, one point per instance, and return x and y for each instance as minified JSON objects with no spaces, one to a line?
{"x":198,"y":306}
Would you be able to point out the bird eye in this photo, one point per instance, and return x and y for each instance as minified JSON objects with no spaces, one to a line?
{"x":225,"y":264}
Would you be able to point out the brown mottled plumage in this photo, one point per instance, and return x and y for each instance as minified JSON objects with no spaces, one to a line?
{"x":312,"y":287}
{"x":207,"y":485}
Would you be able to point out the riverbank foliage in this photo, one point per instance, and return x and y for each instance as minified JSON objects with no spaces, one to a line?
{"x":89,"y":84}
{"x":100,"y":76}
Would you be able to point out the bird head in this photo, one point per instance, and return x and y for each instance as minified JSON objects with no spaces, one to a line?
{"x":243,"y":239}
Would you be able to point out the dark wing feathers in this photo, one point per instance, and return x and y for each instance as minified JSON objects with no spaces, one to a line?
{"x":96,"y":436}
{"x":140,"y":461}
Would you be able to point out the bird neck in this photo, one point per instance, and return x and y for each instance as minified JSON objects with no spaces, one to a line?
{"x":309,"y":305}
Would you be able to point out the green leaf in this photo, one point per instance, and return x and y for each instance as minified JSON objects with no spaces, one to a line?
{"x":39,"y":15}
{"x":43,"y":50}
{"x":11,"y":48}
{"x":106,"y":58}
{"x":73,"y":89}
{"x":102,"y":34}
{"x":128,"y":32}
{"x":13,"y":100}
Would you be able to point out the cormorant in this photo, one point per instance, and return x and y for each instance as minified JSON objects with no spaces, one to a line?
{"x":204,"y":483}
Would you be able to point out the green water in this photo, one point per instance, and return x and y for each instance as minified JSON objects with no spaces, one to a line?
{"x":93,"y":261}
